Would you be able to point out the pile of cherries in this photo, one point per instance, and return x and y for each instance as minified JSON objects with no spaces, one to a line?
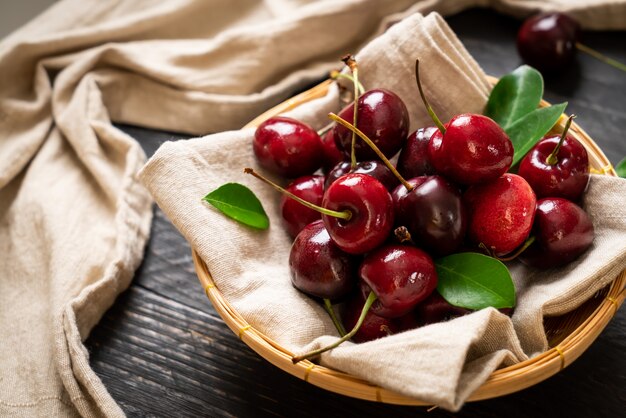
{"x":366,"y":231}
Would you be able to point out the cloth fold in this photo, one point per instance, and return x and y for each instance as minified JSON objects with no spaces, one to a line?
{"x":73,"y":217}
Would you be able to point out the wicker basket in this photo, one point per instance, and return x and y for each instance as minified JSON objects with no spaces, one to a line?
{"x":569,"y":335}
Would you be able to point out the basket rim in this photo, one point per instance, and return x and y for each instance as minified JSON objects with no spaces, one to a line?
{"x":501,"y":382}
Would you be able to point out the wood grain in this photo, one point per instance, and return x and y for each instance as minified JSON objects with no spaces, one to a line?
{"x":162,"y":350}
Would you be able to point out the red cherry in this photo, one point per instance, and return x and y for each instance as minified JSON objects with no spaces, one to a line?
{"x":401,"y":276}
{"x":287,"y":147}
{"x":332,"y":154}
{"x":383,"y":117}
{"x":295,"y":215}
{"x":547,"y":41}
{"x":318,"y":267}
{"x":562,"y":232}
{"x":373,"y":326}
{"x":371,"y":209}
{"x":374,"y":168}
{"x":564,"y":173}
{"x":414,"y":160}
{"x":501,"y":213}
{"x":474,"y":149}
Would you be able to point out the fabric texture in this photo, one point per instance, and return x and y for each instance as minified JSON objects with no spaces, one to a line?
{"x":73,"y":217}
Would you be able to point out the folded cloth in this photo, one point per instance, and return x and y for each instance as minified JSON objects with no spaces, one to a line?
{"x":73,"y":217}
{"x":440,"y":364}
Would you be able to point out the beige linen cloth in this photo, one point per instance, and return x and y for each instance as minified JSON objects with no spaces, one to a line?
{"x":74,"y":218}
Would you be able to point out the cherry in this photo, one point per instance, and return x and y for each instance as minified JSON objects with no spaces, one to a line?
{"x":373,"y":326}
{"x":562,"y":232}
{"x":414,"y":160}
{"x":382,"y":116}
{"x":470,"y":148}
{"x":401,"y":276}
{"x":296,"y":216}
{"x":501,"y":213}
{"x":318,"y":267}
{"x":356,"y":209}
{"x":547,"y":41}
{"x":332,"y":154}
{"x":373,"y":168}
{"x":287,"y":147}
{"x":433,"y":213}
{"x":371,"y":213}
{"x":557,"y":166}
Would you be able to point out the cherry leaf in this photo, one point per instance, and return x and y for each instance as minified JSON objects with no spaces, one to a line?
{"x":239,"y":203}
{"x":620,"y":168}
{"x":475,"y":281}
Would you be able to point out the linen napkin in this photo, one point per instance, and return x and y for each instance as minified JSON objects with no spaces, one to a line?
{"x":73,"y":217}
{"x":442,"y":364}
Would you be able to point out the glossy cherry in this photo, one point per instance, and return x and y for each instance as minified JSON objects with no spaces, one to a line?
{"x":318,"y":267}
{"x":371,"y":213}
{"x":433,"y":213}
{"x":400,"y":276}
{"x":470,"y":148}
{"x":562,"y":232}
{"x":382,"y":116}
{"x":374,"y":168}
{"x":414,"y":160}
{"x":287,"y":147}
{"x":501,"y":213}
{"x":295,"y":215}
{"x":557,"y":166}
{"x":332,"y":154}
{"x":547,"y":41}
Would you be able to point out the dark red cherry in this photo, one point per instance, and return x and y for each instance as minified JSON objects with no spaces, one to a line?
{"x":436,"y":309}
{"x":547,"y":41}
{"x":332,"y":154}
{"x":474,"y":149}
{"x":501,"y":213}
{"x":287,"y":147}
{"x":371,"y":209}
{"x":414,"y":160}
{"x":373,"y":326}
{"x":562,"y":232}
{"x":566,"y":178}
{"x":401,"y":276}
{"x":433,"y":212}
{"x":383,"y":117}
{"x":374,"y":168}
{"x":295,"y":215}
{"x":318,"y":267}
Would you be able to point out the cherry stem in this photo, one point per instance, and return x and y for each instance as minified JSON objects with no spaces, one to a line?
{"x":329,"y":308}
{"x":369,"y":142}
{"x":429,"y":109}
{"x":351,"y":63}
{"x":613,"y":63}
{"x":371,"y":298}
{"x":346,"y":214}
{"x":403,"y":235}
{"x":336,"y":74}
{"x":325,"y":129}
{"x":552,"y":159}
{"x":521,"y":249}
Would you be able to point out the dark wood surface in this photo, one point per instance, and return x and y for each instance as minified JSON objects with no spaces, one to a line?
{"x":162,"y":350}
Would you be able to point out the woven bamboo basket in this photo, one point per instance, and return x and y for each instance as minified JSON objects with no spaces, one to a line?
{"x":569,"y":335}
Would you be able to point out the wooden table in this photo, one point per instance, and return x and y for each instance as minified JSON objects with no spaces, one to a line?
{"x":162,"y":350}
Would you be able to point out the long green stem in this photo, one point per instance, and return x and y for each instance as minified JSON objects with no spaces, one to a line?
{"x":523,"y":248}
{"x":346,"y":214}
{"x":601,"y":57}
{"x":336,"y":74}
{"x":369,"y":142}
{"x":429,"y":109}
{"x":351,"y":63}
{"x":552,"y":159}
{"x":371,"y":298}
{"x":329,"y":308}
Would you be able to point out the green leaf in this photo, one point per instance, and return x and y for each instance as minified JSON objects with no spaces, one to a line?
{"x":238,"y":202}
{"x":525,"y":132}
{"x":516,"y":94}
{"x":620,"y":168}
{"x":475,"y":281}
